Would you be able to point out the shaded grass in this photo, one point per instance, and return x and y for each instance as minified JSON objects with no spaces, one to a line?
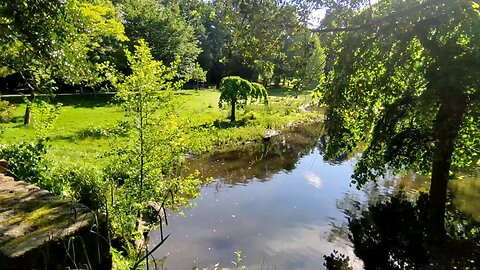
{"x":80,"y":132}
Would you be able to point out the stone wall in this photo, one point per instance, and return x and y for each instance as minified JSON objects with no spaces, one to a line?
{"x":40,"y":231}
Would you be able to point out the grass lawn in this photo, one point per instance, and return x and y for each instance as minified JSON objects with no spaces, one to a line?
{"x":78,"y":134}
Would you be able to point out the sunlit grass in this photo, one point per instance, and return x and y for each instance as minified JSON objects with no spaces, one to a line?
{"x":79,"y":133}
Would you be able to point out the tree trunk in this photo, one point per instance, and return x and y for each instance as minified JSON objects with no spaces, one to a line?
{"x":277,"y":82}
{"x":448,"y":123}
{"x":232,"y":116}
{"x":28,"y":109}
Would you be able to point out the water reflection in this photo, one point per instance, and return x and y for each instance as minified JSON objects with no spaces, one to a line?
{"x":387,"y":226}
{"x":281,"y":205}
{"x":260,"y":161}
{"x":272,"y":201}
{"x":391,"y":233}
{"x":466,"y":193}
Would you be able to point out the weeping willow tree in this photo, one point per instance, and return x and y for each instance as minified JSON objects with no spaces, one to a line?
{"x":405,"y":84}
{"x":236,"y":92}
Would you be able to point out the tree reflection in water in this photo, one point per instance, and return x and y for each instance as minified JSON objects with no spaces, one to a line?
{"x":259,"y":160}
{"x":391,"y":234}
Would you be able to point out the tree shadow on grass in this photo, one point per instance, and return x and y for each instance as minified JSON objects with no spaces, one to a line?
{"x":282,"y":92}
{"x":86,"y":101}
{"x":285,"y":92}
{"x":69,"y":138}
{"x":74,"y":100}
{"x":223,"y":124}
{"x":186,"y":93}
{"x":83,"y":134}
{"x":14,"y":100}
{"x":15,"y":120}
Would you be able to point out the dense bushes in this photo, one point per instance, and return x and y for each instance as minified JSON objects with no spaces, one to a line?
{"x":26,"y":160}
{"x":6,"y":111}
{"x":83,"y":184}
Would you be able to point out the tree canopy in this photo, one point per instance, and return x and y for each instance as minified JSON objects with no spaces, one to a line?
{"x":47,"y":41}
{"x":162,"y":26}
{"x":405,"y":84}
{"x":258,"y":40}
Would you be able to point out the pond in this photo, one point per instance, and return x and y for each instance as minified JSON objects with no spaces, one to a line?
{"x":277,"y":202}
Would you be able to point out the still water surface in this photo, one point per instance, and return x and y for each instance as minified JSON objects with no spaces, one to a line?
{"x":279,"y":203}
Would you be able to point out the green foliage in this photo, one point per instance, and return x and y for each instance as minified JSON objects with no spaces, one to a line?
{"x":44,"y":116}
{"x":50,"y":41}
{"x":404,"y":87}
{"x":303,"y":62}
{"x":82,"y":184}
{"x":59,"y":36}
{"x":6,"y":111}
{"x":259,"y":93}
{"x":26,"y":161}
{"x":146,"y":96}
{"x":98,"y":37}
{"x":311,"y":68}
{"x":249,"y":39}
{"x":120,"y":261}
{"x":385,"y":91}
{"x":162,"y":27}
{"x":145,"y":159}
{"x":255,"y":33}
{"x":195,"y":73}
{"x":236,"y":91}
{"x":32,"y":23}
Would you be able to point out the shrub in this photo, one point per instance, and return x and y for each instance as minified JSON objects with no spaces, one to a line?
{"x":6,"y":111}
{"x":85,"y":184}
{"x":25,"y":160}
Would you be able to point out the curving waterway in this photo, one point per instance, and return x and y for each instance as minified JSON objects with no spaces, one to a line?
{"x":279,"y":203}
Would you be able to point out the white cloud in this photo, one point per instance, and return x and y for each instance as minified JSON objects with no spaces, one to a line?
{"x":314,"y":180}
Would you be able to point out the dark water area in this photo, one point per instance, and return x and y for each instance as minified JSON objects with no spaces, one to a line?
{"x":280,"y":204}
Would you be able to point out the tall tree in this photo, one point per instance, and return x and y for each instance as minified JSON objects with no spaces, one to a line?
{"x":405,"y":83}
{"x":302,"y":59}
{"x":257,"y":30}
{"x":164,"y":28}
{"x":31,"y":34}
{"x":48,"y":40}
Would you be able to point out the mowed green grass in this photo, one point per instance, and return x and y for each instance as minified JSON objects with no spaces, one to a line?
{"x":76,"y":135}
{"x":77,"y":115}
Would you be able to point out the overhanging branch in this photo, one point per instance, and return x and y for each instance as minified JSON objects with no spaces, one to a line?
{"x":378,"y":21}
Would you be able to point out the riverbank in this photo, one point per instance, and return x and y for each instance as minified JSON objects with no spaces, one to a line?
{"x":81,"y":132}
